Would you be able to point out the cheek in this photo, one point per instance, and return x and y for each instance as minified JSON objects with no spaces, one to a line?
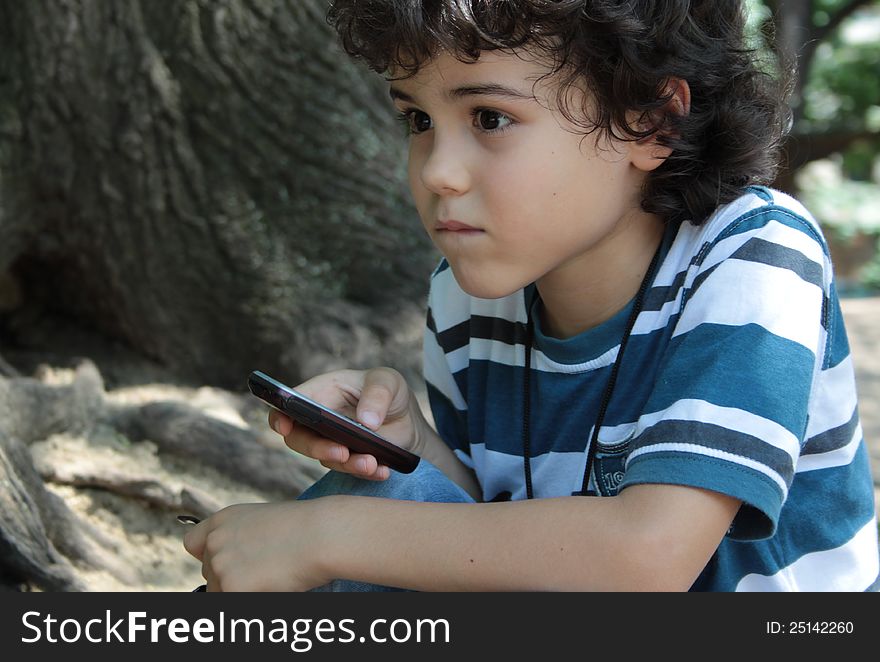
{"x":420,"y":195}
{"x":536,"y":191}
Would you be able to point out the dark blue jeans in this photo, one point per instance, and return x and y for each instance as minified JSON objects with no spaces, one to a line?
{"x":427,"y":483}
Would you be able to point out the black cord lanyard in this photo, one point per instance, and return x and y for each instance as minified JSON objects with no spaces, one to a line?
{"x":606,"y":394}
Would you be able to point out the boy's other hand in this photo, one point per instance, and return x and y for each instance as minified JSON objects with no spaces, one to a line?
{"x":379,"y":399}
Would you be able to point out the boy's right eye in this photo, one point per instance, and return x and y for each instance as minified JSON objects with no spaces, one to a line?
{"x":415,"y":120}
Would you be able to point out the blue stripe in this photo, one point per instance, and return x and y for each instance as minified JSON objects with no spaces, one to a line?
{"x":760,"y":218}
{"x":817,"y":516}
{"x":762,"y":192}
{"x":499,"y":423}
{"x":441,"y":267}
{"x":450,"y":423}
{"x":745,"y":367}
{"x":837,"y":349}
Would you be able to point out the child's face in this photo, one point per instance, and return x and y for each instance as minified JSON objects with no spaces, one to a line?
{"x":542,"y":199}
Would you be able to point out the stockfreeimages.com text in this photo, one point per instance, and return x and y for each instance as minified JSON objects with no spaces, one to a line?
{"x":301,"y":634}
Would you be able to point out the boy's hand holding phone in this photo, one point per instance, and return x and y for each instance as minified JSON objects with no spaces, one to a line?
{"x":378,"y":399}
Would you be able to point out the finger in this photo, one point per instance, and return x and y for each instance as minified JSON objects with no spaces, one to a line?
{"x":383,"y":390}
{"x":366,"y":466}
{"x":380,"y":472}
{"x":311,"y":444}
{"x":282,"y":424}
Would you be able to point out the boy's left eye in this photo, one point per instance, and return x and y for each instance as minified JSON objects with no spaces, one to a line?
{"x":491,"y":120}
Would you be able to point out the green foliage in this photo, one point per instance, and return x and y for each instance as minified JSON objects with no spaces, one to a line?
{"x":841,"y":96}
{"x":843,"y":88}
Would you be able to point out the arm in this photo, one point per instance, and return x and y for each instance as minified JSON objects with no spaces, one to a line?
{"x":648,"y":538}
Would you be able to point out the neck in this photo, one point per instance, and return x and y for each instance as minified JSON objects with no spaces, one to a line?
{"x":597,"y":284}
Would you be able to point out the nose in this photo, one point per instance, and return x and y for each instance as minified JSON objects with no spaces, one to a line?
{"x":445,"y":170}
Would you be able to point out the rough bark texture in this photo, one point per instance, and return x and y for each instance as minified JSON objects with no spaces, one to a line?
{"x":43,"y":543}
{"x":209,"y":182}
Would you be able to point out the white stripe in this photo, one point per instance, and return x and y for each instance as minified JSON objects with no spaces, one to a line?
{"x":510,"y":308}
{"x":835,"y":388}
{"x":731,"y":418}
{"x":649,"y":321}
{"x":695,"y":449}
{"x":501,"y":353}
{"x":554,"y":474}
{"x":850,"y":567}
{"x":458,"y":360}
{"x":786,"y":305}
{"x":728,"y":213}
{"x":465,"y":459}
{"x":839,"y":457}
{"x":436,"y":372}
{"x":483,"y":349}
{"x":449,"y":304}
{"x":546,"y":364}
{"x":785,"y":200}
{"x":774,"y":232}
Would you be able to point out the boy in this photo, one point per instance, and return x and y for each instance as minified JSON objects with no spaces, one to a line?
{"x":688,"y":417}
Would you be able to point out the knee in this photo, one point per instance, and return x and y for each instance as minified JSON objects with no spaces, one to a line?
{"x":426,"y":483}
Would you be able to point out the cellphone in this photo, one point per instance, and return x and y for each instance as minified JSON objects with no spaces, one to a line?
{"x":329,"y":423}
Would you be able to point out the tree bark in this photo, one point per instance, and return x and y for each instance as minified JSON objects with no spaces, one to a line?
{"x":211,"y":182}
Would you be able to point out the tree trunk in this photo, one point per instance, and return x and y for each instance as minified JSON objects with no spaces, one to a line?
{"x":211,"y":182}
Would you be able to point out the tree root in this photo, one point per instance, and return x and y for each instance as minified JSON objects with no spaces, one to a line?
{"x":45,"y":544}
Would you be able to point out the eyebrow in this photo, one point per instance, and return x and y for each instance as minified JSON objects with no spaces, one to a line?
{"x":482,"y":89}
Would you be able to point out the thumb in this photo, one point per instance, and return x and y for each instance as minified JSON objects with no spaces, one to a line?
{"x":194,"y":540}
{"x":385,"y":394}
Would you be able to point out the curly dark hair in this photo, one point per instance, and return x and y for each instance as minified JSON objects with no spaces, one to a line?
{"x":625,"y":52}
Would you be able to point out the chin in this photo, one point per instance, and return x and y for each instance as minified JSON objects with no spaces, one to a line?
{"x":484,"y":286}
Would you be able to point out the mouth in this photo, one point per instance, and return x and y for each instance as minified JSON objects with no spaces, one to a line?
{"x":456,"y":227}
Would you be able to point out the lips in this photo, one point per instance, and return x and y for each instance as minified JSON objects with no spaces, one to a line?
{"x":455,"y":226}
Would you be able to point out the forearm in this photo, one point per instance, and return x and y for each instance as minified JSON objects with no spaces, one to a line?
{"x":574,"y":543}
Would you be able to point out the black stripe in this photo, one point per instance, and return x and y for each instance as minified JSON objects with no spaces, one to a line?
{"x":660,"y":295}
{"x":720,"y":438}
{"x":454,"y":337}
{"x":496,"y":328}
{"x":483,"y":328}
{"x":657,"y":297}
{"x":766,"y":252}
{"x":832,"y":439}
{"x":700,"y":278}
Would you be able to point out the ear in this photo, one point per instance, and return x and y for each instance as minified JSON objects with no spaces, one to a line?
{"x":647,"y":154}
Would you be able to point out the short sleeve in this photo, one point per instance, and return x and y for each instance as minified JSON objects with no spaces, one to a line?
{"x":728,"y":411}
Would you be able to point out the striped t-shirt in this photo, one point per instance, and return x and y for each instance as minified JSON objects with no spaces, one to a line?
{"x":737,"y":378}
